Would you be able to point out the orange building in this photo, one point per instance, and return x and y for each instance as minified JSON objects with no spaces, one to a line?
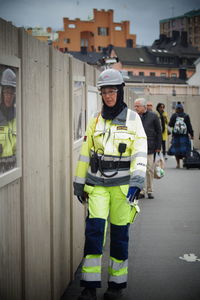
{"x":95,"y":34}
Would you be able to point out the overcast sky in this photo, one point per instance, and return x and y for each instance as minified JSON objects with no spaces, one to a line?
{"x":144,"y":15}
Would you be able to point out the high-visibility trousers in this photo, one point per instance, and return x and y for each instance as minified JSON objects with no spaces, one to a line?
{"x":104,"y":203}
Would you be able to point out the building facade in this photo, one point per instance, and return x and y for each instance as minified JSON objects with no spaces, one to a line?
{"x":167,"y":59}
{"x":189,"y":22}
{"x":95,"y":34}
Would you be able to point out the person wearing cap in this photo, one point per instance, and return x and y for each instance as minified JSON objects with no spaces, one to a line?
{"x":7,"y":121}
{"x":182,"y":132}
{"x":110,"y":174}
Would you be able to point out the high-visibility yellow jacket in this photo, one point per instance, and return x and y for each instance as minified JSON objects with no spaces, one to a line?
{"x":165,"y":132}
{"x":7,"y":138}
{"x":103,"y":137}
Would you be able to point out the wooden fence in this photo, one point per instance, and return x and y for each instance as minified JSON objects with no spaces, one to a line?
{"x":41,"y":224}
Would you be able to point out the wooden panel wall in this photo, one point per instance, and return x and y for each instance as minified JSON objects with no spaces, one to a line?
{"x":36,"y":168}
{"x":60,"y":181}
{"x":10,"y":214}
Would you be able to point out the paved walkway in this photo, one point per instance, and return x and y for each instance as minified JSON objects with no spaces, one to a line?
{"x":164,"y":250}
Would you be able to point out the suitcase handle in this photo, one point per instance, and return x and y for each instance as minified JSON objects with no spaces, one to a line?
{"x":192,"y":147}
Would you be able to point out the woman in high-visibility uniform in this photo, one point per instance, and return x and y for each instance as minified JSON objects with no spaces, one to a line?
{"x":110,"y":174}
{"x":7,"y":121}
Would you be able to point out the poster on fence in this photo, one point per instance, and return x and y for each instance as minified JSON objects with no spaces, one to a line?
{"x":8,"y":132}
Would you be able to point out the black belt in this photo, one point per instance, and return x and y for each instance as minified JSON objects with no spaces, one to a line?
{"x":114,"y":165}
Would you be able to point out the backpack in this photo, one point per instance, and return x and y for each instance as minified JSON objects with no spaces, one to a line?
{"x":180,"y":127}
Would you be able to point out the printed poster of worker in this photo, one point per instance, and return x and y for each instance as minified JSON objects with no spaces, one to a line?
{"x":7,"y":118}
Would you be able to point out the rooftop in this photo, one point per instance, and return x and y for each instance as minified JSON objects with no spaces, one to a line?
{"x":192,"y":13}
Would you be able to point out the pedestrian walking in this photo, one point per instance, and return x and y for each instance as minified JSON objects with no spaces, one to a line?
{"x":182,"y":132}
{"x":149,"y":106}
{"x":162,"y":114}
{"x":152,"y":128}
{"x":110,"y":174}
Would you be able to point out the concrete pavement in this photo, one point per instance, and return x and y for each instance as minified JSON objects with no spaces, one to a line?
{"x":164,"y":249}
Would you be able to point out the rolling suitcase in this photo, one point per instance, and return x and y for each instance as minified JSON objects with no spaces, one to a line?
{"x":192,"y":159}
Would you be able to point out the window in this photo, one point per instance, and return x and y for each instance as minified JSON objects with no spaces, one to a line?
{"x":84,"y":43}
{"x":103,"y":31}
{"x":141,"y":73}
{"x":129,"y":43}
{"x":10,"y":126}
{"x":152,"y":74}
{"x":71,"y":26}
{"x":100,"y":48}
{"x":66,"y":40}
{"x":174,"y":75}
{"x":163,"y":74}
{"x":118,"y":28}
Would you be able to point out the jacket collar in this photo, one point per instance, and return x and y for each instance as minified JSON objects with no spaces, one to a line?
{"x":121,"y":118}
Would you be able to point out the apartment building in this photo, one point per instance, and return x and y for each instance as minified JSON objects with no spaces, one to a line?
{"x":189,"y":22}
{"x":95,"y":34}
{"x":167,"y":59}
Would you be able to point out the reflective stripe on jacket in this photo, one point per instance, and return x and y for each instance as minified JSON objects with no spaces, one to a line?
{"x":103,"y":137}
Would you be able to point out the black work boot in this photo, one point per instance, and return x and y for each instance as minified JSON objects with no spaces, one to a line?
{"x":113,"y":294}
{"x":88,"y":294}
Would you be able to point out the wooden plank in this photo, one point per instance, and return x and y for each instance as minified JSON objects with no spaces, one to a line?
{"x":10,"y":242}
{"x":60,"y":172}
{"x":36,"y":161}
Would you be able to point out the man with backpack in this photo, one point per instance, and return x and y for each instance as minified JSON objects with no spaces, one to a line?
{"x":182,"y":132}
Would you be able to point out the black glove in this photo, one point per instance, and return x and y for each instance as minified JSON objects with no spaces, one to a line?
{"x":83,"y":198}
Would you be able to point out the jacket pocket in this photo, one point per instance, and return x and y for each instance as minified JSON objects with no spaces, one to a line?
{"x":124,"y":189}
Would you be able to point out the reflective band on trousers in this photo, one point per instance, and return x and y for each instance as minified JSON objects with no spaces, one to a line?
{"x":118,"y":264}
{"x":91,"y":269}
{"x":91,"y":276}
{"x":91,"y":261}
{"x":118,"y":270}
{"x":118,"y":279}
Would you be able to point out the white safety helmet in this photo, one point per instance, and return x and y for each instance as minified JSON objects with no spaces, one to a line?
{"x":8,"y":78}
{"x":110,"y":77}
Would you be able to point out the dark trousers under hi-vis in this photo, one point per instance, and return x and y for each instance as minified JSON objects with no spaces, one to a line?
{"x":106,"y":202}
